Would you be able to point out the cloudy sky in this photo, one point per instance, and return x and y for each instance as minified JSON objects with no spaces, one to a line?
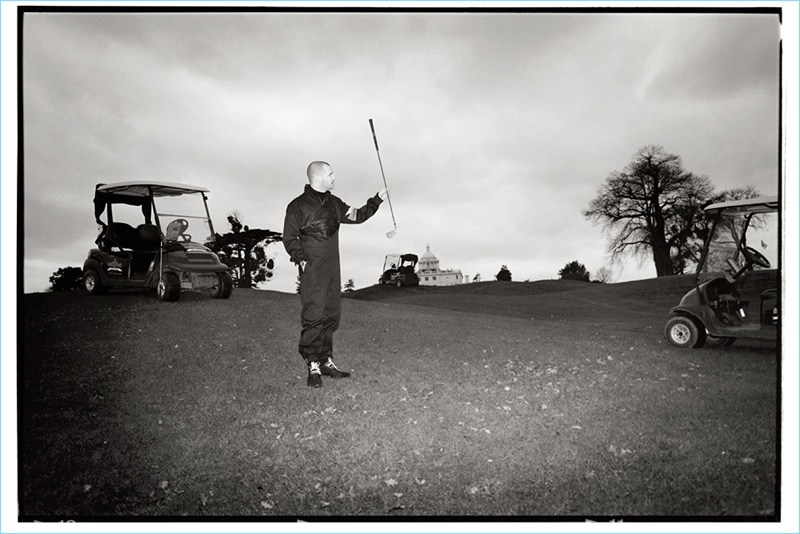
{"x":495,"y":129}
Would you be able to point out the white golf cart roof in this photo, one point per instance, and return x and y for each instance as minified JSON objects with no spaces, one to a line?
{"x":143,"y":189}
{"x":747,"y":205}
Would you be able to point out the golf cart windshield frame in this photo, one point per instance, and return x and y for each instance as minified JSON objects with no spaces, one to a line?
{"x":734,"y":219}
{"x":143,"y":194}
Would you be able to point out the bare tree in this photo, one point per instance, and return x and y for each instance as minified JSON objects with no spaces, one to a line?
{"x":604,"y":275}
{"x":652,"y":208}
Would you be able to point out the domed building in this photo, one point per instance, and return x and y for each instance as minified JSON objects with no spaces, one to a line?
{"x":430,"y":274}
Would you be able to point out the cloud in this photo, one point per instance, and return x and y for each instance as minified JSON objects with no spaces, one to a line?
{"x":716,"y":57}
{"x":495,"y":129}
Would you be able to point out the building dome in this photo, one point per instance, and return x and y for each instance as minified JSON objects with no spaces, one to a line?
{"x":428,"y":262}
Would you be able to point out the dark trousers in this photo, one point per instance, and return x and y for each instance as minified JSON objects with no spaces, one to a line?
{"x":320,"y":293}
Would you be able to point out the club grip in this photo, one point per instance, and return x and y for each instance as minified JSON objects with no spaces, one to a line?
{"x":374,"y":137}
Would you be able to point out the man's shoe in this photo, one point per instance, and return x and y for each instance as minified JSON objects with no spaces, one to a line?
{"x":314,"y":375}
{"x":329,"y":369}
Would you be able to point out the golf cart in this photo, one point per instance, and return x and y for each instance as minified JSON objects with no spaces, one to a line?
{"x":737,"y":283}
{"x":145,"y":241}
{"x":398,"y":269}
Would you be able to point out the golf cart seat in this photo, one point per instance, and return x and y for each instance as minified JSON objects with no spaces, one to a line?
{"x":121,"y":235}
{"x":144,"y":237}
{"x":149,"y":238}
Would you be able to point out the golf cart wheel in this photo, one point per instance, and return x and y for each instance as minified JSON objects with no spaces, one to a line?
{"x":683,"y":332}
{"x":92,"y":283}
{"x":169,"y":287}
{"x":399,"y":283}
{"x":224,"y":286}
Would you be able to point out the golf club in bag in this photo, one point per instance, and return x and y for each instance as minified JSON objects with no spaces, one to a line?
{"x":389,"y":198}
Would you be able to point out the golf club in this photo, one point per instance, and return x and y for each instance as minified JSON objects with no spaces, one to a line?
{"x":389,"y":198}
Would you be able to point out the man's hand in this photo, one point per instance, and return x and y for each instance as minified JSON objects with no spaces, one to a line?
{"x":383,"y":193}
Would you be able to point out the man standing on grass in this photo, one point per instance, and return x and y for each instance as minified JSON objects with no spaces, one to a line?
{"x":311,"y":237}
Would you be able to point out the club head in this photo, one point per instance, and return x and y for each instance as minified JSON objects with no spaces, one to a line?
{"x":391,"y":234}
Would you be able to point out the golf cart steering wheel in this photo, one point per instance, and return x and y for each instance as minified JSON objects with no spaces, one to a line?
{"x":176,"y":229}
{"x":755,"y":257}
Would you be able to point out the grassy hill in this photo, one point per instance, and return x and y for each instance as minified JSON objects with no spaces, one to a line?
{"x":488,"y":402}
{"x":669,"y":285}
{"x":546,"y":299}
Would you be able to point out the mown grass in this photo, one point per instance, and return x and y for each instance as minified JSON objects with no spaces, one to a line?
{"x":133,"y":407}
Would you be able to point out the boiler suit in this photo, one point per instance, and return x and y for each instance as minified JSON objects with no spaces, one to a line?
{"x":311,"y":234}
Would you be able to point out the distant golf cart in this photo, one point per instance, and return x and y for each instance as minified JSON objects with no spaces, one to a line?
{"x":398,"y":269}
{"x":144,"y":243}
{"x":736,"y":293}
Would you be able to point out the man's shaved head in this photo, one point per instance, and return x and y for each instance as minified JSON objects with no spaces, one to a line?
{"x":320,"y":176}
{"x":316,"y":169}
